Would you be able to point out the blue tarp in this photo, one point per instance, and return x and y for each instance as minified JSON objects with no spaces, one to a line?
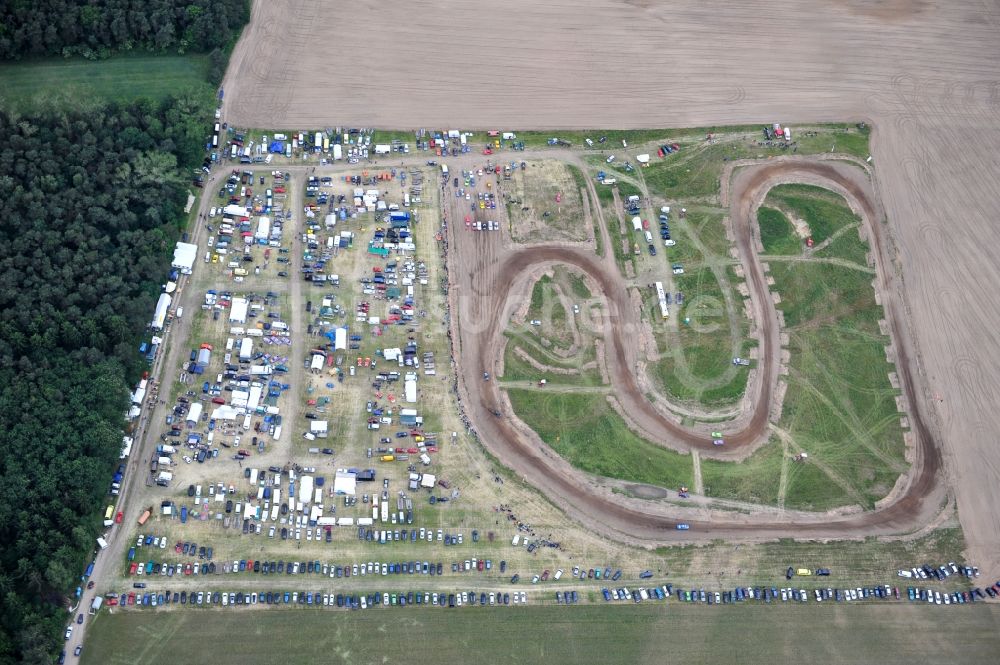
{"x":277,"y":147}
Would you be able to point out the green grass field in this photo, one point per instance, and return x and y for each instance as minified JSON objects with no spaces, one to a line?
{"x":697,"y":361}
{"x":840,"y":407}
{"x":755,"y":479}
{"x":518,"y":369}
{"x":587,"y":432}
{"x":776,"y":233}
{"x":621,"y":633}
{"x":76,"y":81}
{"x":824,"y":211}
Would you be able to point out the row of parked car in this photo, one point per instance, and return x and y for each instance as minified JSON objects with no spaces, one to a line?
{"x":953,"y":598}
{"x":939,"y":573}
{"x":788,"y":594}
{"x":319,"y":598}
{"x":305,"y":567}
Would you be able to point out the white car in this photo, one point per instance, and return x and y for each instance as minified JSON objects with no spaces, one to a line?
{"x":69,"y":632}
{"x":524,"y":597}
{"x":611,"y":159}
{"x":904,"y":573}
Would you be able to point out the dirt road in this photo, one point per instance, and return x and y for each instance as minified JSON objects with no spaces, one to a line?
{"x":491,"y":277}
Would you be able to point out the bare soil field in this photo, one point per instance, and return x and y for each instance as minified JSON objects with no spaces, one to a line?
{"x":923,"y":73}
{"x":545,"y":204}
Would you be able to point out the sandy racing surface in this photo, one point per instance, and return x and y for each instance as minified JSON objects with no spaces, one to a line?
{"x":922,"y":73}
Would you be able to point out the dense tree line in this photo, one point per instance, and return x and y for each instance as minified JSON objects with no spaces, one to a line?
{"x":97,"y":28}
{"x":93,"y":200}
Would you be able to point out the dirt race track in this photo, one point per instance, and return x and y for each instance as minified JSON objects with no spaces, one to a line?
{"x":923,"y":73}
{"x":490,"y":279}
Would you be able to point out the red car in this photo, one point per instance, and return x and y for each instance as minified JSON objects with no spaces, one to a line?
{"x":178,"y":547}
{"x":412,"y":451}
{"x":132,"y":568}
{"x":112,"y":602}
{"x":118,"y":517}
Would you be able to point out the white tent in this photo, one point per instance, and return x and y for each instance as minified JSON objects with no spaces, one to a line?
{"x":411,"y":391}
{"x":246,"y":348}
{"x":195,"y":413}
{"x":317,"y":362}
{"x":185,"y":254}
{"x":253,"y":401}
{"x":318,"y":426}
{"x":160,"y":315}
{"x":345,"y":482}
{"x":224,"y":412}
{"x":235,"y":211}
{"x":238,"y":312}
{"x":240,"y":398}
{"x":306,"y":489}
{"x":428,"y":480}
{"x":263,"y":228}
{"x":340,"y":339}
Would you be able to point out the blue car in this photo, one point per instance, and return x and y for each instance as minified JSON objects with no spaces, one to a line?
{"x":683,"y":527}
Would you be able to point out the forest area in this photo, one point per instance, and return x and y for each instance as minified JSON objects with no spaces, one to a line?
{"x":100,"y":28}
{"x":94,"y":181}
{"x":93,"y":206}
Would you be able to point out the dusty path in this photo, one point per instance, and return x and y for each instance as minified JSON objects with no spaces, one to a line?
{"x":490,"y":283}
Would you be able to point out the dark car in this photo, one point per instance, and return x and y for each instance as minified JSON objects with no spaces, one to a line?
{"x":789,"y":573}
{"x":79,"y":618}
